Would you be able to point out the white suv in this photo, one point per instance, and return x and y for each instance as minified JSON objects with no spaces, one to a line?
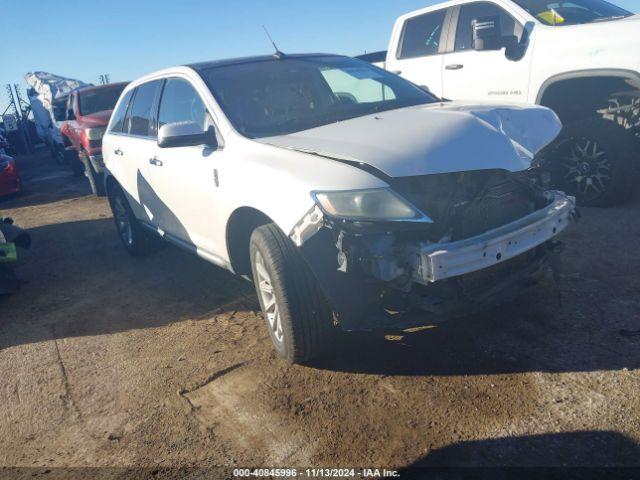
{"x":580,"y":58}
{"x":345,"y":192}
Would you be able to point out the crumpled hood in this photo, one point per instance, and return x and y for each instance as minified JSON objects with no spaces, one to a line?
{"x":436,"y":138}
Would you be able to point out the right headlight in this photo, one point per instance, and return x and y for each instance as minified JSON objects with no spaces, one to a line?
{"x":378,"y":204}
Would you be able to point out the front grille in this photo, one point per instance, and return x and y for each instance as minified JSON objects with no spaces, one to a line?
{"x":467,"y":204}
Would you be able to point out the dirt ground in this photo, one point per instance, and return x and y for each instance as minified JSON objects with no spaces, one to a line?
{"x":164,"y":361}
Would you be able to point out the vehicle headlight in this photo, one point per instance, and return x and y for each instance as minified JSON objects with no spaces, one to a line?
{"x":377,"y":204}
{"x":95,"y":133}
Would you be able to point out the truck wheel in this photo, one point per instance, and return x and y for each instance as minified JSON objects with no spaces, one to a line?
{"x":135,"y":239}
{"x":95,"y":179}
{"x":593,"y":161}
{"x":296,"y":313}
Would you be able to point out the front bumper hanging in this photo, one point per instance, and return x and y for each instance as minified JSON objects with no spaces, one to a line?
{"x":435,"y":262}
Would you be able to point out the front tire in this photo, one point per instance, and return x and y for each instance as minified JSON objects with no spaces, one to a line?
{"x":136,"y":241}
{"x":592,"y":160}
{"x":295,"y":311}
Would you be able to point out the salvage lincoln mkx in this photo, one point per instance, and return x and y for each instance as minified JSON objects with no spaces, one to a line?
{"x":349,"y":195}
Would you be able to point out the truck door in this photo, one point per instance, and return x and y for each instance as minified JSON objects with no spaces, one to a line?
{"x":485,"y":75}
{"x":417,"y":49}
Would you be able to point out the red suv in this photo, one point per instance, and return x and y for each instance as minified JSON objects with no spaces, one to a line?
{"x":88,"y":113}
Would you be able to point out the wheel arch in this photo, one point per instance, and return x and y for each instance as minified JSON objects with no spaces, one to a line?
{"x":241,"y":224}
{"x":595,"y":87}
{"x":110,"y":182}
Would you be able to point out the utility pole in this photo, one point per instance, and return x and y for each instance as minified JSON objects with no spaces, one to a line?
{"x":21,"y":117}
{"x":12,"y":102}
{"x":24,"y":108}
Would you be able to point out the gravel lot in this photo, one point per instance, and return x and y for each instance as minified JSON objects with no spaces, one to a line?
{"x":164,"y":361}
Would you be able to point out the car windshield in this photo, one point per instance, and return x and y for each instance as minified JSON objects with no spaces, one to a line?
{"x":573,"y":12}
{"x":99,"y":99}
{"x":278,"y":97}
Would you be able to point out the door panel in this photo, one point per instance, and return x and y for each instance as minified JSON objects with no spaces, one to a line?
{"x":184,"y":180}
{"x":137,"y":144}
{"x":485,"y":75}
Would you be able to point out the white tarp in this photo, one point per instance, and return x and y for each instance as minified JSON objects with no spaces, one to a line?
{"x":45,"y":89}
{"x":50,"y":87}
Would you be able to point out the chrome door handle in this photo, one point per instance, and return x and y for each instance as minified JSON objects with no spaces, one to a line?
{"x":117,"y":151}
{"x":156,"y":162}
{"x":454,"y":66}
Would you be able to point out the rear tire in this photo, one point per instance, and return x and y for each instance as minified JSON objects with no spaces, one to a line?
{"x":296,"y":313}
{"x":136,"y":241}
{"x":96,"y":180}
{"x":592,"y":160}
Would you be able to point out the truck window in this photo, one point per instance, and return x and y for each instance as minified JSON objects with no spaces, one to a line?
{"x":71,"y":106}
{"x":118,"y":115}
{"x":59,"y":109}
{"x":352,"y":87}
{"x":141,"y":112}
{"x":421,"y":35}
{"x":472,"y":11}
{"x":576,"y":12}
{"x":99,"y":99}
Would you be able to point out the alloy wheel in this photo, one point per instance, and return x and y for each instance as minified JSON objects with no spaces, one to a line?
{"x":268,"y":297}
{"x":122,"y":221}
{"x":586,"y":167}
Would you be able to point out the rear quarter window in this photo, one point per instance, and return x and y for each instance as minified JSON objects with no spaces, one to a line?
{"x":121,"y":112}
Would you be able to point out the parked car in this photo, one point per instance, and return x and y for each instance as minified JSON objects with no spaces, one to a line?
{"x":578,"y":58}
{"x":88,"y":113}
{"x":10,"y":181}
{"x":345,"y":192}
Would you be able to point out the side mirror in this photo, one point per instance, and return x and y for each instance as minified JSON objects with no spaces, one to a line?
{"x":70,"y":114}
{"x":186,"y":134}
{"x":487,"y":33}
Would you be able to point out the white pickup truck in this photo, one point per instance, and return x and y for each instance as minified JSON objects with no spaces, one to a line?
{"x":581,"y":58}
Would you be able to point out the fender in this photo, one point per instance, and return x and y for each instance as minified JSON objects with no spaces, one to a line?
{"x":597,"y":72}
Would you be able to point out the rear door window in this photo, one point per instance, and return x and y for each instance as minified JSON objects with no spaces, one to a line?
{"x":141,"y":117}
{"x":121,"y":111}
{"x":422,"y":35}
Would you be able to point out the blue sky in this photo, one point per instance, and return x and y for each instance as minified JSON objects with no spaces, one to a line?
{"x":83,"y":39}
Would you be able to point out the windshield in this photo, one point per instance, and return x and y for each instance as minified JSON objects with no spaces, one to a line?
{"x":267,"y":98}
{"x":573,"y":12}
{"x":92,"y":101}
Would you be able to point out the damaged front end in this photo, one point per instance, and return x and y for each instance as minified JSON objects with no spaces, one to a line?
{"x":478,"y":236}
